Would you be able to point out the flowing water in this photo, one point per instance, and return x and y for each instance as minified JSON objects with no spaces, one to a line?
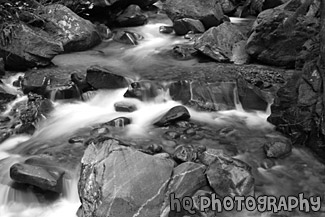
{"x":299,"y":172}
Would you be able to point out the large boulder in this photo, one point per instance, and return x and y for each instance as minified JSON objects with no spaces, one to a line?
{"x":29,"y":48}
{"x":218,"y":42}
{"x":75,"y":33}
{"x":48,"y":31}
{"x":279,"y":34}
{"x":209,"y":12}
{"x":120,"y":181}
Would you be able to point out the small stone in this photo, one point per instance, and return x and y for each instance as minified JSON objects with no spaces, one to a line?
{"x":190,"y":132}
{"x":277,"y":149}
{"x":175,"y":114}
{"x":99,"y":131}
{"x":166,"y":29}
{"x":76,"y":139}
{"x":4,"y":119}
{"x":119,"y":122}
{"x":171,"y":135}
{"x":124,"y":107}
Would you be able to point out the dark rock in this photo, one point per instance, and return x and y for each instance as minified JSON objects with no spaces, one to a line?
{"x":127,"y":37}
{"x":5,"y":98}
{"x":184,"y":52}
{"x":104,"y":32}
{"x":77,"y":139}
{"x":103,"y":78}
{"x":18,"y":82}
{"x":187,"y":178}
{"x":166,"y":29}
{"x":181,"y":91}
{"x":29,"y":48}
{"x":81,"y":82}
{"x":177,"y":113}
{"x":277,"y":149}
{"x":120,"y":181}
{"x":277,"y":39}
{"x":143,"y":90}
{"x":230,"y":177}
{"x":218,"y":42}
{"x":251,"y":97}
{"x":4,"y":135}
{"x":2,"y":67}
{"x":4,"y":119}
{"x":208,"y":12}
{"x":185,"y":25}
{"x":36,"y":176}
{"x":124,"y":107}
{"x":70,"y":91}
{"x":35,"y":84}
{"x":132,"y":16}
{"x":119,"y":122}
{"x":144,"y":3}
{"x":27,"y":128}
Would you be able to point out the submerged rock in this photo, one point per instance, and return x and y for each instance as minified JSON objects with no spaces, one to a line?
{"x":209,"y":12}
{"x":277,"y":149}
{"x":119,"y":122}
{"x":184,"y":52}
{"x":120,"y":181}
{"x":218,"y":42}
{"x":103,"y":78}
{"x":178,"y":113}
{"x":132,"y":16}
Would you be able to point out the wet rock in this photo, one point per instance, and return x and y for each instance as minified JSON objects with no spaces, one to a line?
{"x":177,"y":113}
{"x":187,"y":153}
{"x":184,"y":52}
{"x":69,"y":91}
{"x":132,"y":16}
{"x":36,"y":176}
{"x":5,"y":98}
{"x":27,"y":128}
{"x":35,"y":84}
{"x":2,"y":67}
{"x":99,"y":131}
{"x":103,"y":78}
{"x":210,"y":155}
{"x":119,"y":122}
{"x":277,"y":149}
{"x":81,"y":82}
{"x":230,"y":177}
{"x":124,"y":107}
{"x":4,"y":119}
{"x":252,"y":97}
{"x":154,"y":148}
{"x":143,"y":90}
{"x":77,"y":139}
{"x":187,"y":178}
{"x":18,"y":82}
{"x":29,"y":48}
{"x":218,"y":42}
{"x":127,"y":37}
{"x":120,"y":181}
{"x":171,"y":135}
{"x":74,"y":32}
{"x":239,"y":54}
{"x":185,"y":25}
{"x":4,"y":135}
{"x":277,"y":37}
{"x":104,"y":32}
{"x":166,"y":29}
{"x":208,"y":12}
